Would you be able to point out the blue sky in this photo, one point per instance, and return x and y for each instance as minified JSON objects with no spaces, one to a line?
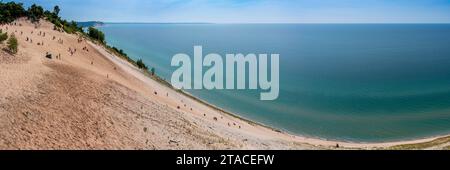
{"x":253,"y":11}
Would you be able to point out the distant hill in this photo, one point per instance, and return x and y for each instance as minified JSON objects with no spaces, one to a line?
{"x":90,"y":24}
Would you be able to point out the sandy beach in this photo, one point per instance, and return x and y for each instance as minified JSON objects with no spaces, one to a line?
{"x":88,"y":98}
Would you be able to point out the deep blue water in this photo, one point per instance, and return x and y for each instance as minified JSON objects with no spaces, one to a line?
{"x":363,"y":83}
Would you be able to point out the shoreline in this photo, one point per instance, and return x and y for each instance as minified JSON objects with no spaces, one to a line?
{"x":315,"y":141}
{"x":256,"y":123}
{"x":362,"y":143}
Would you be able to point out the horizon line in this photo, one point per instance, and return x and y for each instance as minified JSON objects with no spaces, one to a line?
{"x":131,"y":22}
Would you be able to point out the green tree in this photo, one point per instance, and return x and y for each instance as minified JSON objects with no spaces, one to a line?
{"x":75,"y":26}
{"x":35,"y":13}
{"x":141,"y":64}
{"x":13,"y":44}
{"x":71,"y":27}
{"x":56,"y":10}
{"x":11,"y":11}
{"x":96,"y":34}
{"x":49,"y":15}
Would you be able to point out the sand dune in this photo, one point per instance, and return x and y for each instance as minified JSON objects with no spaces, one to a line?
{"x":91,"y":99}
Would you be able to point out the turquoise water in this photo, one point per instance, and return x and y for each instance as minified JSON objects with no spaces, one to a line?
{"x":361,"y":83}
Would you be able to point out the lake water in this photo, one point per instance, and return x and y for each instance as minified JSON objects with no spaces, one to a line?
{"x":360,"y":83}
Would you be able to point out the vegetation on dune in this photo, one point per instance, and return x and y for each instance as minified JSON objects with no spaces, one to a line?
{"x":11,"y":11}
{"x":3,"y":37}
{"x":447,"y":148}
{"x":96,"y":34}
{"x":69,"y":27}
{"x":424,"y":145}
{"x":56,"y":10}
{"x":121,"y":53}
{"x":141,"y":64}
{"x":13,"y":44}
{"x":35,"y":13}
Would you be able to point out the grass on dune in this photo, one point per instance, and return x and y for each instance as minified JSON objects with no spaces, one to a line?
{"x":424,"y":145}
